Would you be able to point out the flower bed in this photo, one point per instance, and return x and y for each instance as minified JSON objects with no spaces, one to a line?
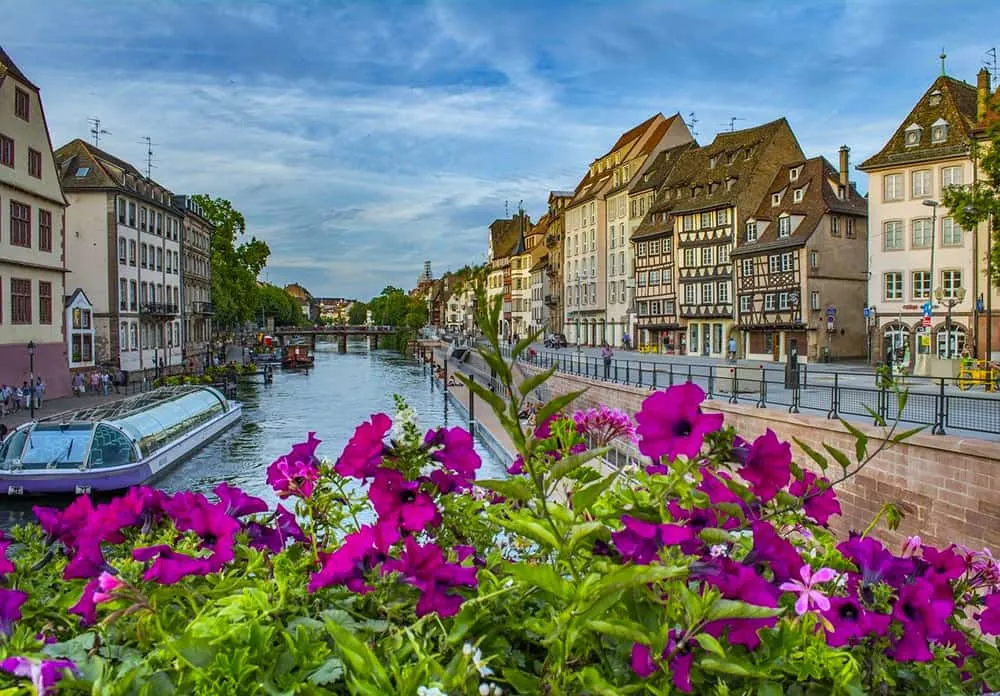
{"x":393,"y":570}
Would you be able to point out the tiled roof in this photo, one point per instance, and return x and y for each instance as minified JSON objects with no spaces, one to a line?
{"x":560,"y":194}
{"x":505,"y":234}
{"x":9,"y":67}
{"x":655,"y":174}
{"x":955,"y":104}
{"x":821,"y":181}
{"x":633,"y":133}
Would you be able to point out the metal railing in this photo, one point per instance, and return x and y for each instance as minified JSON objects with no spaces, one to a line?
{"x":937,"y":403}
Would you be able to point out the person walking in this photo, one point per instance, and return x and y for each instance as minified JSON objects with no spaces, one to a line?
{"x":39,"y":392}
{"x":606,"y":355}
{"x":78,"y":384}
{"x":732,"y":349}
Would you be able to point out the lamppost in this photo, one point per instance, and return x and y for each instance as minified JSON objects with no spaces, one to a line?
{"x":950,"y":301}
{"x":31,"y":373}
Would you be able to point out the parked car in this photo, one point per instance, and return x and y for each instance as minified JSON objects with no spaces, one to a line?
{"x":556,"y":340}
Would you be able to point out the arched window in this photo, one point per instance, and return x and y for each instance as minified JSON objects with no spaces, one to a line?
{"x":897,"y":336}
{"x":957,"y":341}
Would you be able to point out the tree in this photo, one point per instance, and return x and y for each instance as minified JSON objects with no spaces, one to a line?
{"x":277,"y":303}
{"x":357,"y":313}
{"x":395,"y":308}
{"x":236,"y":263}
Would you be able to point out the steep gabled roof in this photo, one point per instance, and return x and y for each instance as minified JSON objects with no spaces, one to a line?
{"x":656,"y":173}
{"x":820,"y":181}
{"x":9,"y":67}
{"x":594,"y":182}
{"x":949,"y":99}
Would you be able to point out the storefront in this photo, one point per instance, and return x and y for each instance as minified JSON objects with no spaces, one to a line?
{"x":708,"y":338}
{"x":669,"y":339}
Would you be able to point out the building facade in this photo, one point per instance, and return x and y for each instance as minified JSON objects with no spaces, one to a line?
{"x":801,"y":265}
{"x":32,"y":240}
{"x":123,"y":234}
{"x":308,"y":305}
{"x":196,"y":282}
{"x":923,"y":265}
{"x":554,"y":296}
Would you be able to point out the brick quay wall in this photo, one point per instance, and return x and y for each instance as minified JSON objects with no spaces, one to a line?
{"x":948,"y":487}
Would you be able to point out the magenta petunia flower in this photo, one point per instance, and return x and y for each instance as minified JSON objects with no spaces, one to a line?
{"x":773,"y":551}
{"x":454,"y":449}
{"x":85,"y":607}
{"x":192,"y":512}
{"x":809,"y":595}
{"x":942,"y":567}
{"x":87,"y":559}
{"x":44,"y":674}
{"x":924,"y":616}
{"x":671,"y":423}
{"x":911,"y":546}
{"x":989,"y":618}
{"x":737,"y":581}
{"x":424,"y":567}
{"x":169,"y":567}
{"x":604,"y":425}
{"x":64,"y":525}
{"x":363,"y":453}
{"x":6,"y":565}
{"x":11,"y":602}
{"x":768,"y":466}
{"x":292,"y":477}
{"x":820,"y":499}
{"x":349,"y":565}
{"x":517,"y":466}
{"x":401,"y":502}
{"x":875,"y":563}
{"x":638,"y":541}
{"x":107,"y":584}
{"x":680,"y":664}
{"x":236,"y":502}
{"x":851,"y":622}
{"x":274,"y":538}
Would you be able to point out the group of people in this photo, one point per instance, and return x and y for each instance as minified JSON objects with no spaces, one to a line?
{"x":99,"y":381}
{"x":14,"y":398}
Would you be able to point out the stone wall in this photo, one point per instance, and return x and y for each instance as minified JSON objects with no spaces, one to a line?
{"x":947,"y":486}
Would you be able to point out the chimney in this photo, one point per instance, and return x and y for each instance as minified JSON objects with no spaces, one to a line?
{"x":982,"y":93}
{"x":844,"y":171}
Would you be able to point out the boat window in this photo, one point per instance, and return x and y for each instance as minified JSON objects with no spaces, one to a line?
{"x":111,"y":447}
{"x":56,"y":446}
{"x":12,"y":446}
{"x":158,"y":426}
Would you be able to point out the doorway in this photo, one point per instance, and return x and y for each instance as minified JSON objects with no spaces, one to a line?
{"x":706,"y":339}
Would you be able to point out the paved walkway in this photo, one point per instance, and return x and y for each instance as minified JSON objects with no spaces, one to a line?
{"x":50,"y":407}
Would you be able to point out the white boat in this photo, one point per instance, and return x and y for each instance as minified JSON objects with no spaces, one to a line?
{"x":115,"y":445}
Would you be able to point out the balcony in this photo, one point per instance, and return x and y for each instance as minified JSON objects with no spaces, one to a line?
{"x":552,"y":300}
{"x":552,"y":240}
{"x":158,"y":309}
{"x":202,"y":308}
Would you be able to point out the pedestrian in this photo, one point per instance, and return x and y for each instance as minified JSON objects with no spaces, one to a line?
{"x":732,"y":349}
{"x":78,"y":386}
{"x":106,"y":383}
{"x":607,"y":354}
{"x":39,"y":392}
{"x":95,"y":381}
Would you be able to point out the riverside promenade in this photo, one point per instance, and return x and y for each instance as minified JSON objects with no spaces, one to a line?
{"x":51,"y":407}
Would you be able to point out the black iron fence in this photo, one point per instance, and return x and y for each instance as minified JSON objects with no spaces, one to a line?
{"x":937,"y":403}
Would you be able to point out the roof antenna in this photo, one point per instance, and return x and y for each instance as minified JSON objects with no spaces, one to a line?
{"x":96,"y":130}
{"x":992,"y":62}
{"x":942,"y":57}
{"x":691,"y":123}
{"x":732,"y":122}
{"x":147,"y":141}
{"x":506,"y":208}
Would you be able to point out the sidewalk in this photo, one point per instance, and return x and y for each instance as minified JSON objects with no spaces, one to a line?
{"x":50,"y":407}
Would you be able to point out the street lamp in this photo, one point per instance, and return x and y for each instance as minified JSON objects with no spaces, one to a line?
{"x":31,"y":373}
{"x":950,"y":301}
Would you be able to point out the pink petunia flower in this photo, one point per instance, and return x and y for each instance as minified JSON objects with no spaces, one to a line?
{"x":44,"y":674}
{"x":363,"y":453}
{"x":808,"y":594}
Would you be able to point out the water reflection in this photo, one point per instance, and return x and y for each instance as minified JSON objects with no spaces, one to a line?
{"x":335,"y":396}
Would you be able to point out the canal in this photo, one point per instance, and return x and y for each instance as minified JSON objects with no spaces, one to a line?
{"x":335,"y":396}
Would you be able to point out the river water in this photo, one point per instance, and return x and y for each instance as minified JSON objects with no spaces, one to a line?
{"x":340,"y":392}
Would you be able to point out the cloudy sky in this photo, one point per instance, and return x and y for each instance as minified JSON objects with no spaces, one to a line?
{"x":360,"y":138}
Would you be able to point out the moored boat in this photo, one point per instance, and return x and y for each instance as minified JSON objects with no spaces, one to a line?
{"x":114,"y":445}
{"x":297,"y":356}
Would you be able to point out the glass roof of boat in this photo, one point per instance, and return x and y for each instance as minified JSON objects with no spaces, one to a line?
{"x":123,"y":408}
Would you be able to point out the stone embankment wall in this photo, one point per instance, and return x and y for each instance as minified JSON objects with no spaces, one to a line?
{"x":948,"y":487}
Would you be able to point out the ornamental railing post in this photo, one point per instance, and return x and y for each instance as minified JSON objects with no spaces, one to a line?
{"x":472,"y":403}
{"x":762,"y":401}
{"x":734,"y":385}
{"x":941,"y":409}
{"x":835,"y":401}
{"x":654,"y":376}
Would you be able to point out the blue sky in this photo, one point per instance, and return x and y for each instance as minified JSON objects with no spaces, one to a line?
{"x":360,"y":138}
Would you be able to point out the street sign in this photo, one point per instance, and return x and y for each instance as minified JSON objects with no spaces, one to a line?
{"x":926,"y":322}
{"x":868,"y":312}
{"x":831,"y":311}
{"x":927,"y":308}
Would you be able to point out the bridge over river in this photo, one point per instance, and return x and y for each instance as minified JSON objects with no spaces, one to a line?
{"x":286,"y":334}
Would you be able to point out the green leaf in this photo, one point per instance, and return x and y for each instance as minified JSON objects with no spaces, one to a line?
{"x":523,"y":345}
{"x":515,"y":488}
{"x":860,"y":440}
{"x":584,"y":498}
{"x":499,"y":366}
{"x":708,"y":642}
{"x":544,"y":577}
{"x":556,"y":405}
{"x":573,"y":461}
{"x":522,"y":682}
{"x":329,"y":672}
{"x":358,"y":656}
{"x":813,"y":454}
{"x":578,"y":533}
{"x":770,"y":689}
{"x":907,"y":434}
{"x":734,"y":609}
{"x":630,"y":576}
{"x":531,"y":529}
{"x":622,"y":629}
{"x":76,"y":649}
{"x":841,"y":458}
{"x":714,"y":535}
{"x":496,"y":403}
{"x":532,"y":383}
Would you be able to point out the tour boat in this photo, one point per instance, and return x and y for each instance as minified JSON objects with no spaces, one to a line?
{"x":114,"y":445}
{"x":297,"y":356}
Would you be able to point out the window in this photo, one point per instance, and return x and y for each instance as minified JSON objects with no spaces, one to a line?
{"x":654,"y":277}
{"x":131,"y":252}
{"x":170,"y":258}
{"x":814,"y":299}
{"x":707,"y":293}
{"x":951,"y":281}
{"x":799,"y":193}
{"x":6,"y":151}
{"x":668,"y":276}
{"x":121,"y":250}
{"x":122,"y":294}
{"x":612,"y":294}
{"x":769,"y":302}
{"x":132,"y":300}
{"x":20,"y":224}
{"x":688,"y":223}
{"x":751,"y":231}
{"x":35,"y":163}
{"x":951,"y":176}
{"x":745,"y":304}
{"x":707,"y":254}
{"x":746,"y":267}
{"x":892,"y":237}
{"x":689,"y":258}
{"x":893,"y":284}
{"x":951,"y":232}
{"x":793,"y":174}
{"x":912,"y":138}
{"x":121,"y":210}
{"x":44,"y":302}
{"x":133,"y":336}
{"x":774,"y":263}
{"x":921,"y":285}
{"x":723,"y":293}
{"x":922,"y":183}
{"x":145,"y":292}
{"x":722,"y":217}
{"x":22,"y":104}
{"x":787,"y":261}
{"x":142,"y":219}
{"x":782,"y":300}
{"x":642,"y":278}
{"x":939,"y":131}
{"x":775,"y":199}
{"x":689,"y":292}
{"x":131,"y":214}
{"x":834,"y":226}
{"x":921,"y":238}
{"x":654,"y":308}
{"x":814,"y":259}
{"x":144,"y":258}
{"x":784,"y":226}
{"x":722,"y":254}
{"x":44,"y":230}
{"x":159,"y":259}
{"x":123,"y":336}
{"x":850,"y":228}
{"x":706,"y":220}
{"x":654,"y":247}
{"x":20,"y":301}
{"x":892,"y":187}
{"x":643,"y":309}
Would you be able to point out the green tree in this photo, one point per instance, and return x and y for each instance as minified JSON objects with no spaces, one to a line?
{"x":277,"y":303}
{"x":236,"y":263}
{"x":395,"y":308}
{"x":357,"y":313}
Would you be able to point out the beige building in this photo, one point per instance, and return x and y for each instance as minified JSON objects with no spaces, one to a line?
{"x":800,"y":268}
{"x":196,"y":285}
{"x":32,"y":241}
{"x":552,"y":285}
{"x":503,"y":243}
{"x":124,"y":236}
{"x":923,"y":265}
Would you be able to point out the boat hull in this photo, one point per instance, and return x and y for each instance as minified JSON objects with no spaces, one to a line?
{"x":121,"y":477}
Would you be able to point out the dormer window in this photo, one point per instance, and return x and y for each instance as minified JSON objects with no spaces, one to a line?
{"x":935,"y":97}
{"x":775,"y":199}
{"x":798,"y":195}
{"x":784,"y":226}
{"x":793,"y":173}
{"x":732,"y":157}
{"x":939,"y":131}
{"x":912,"y":137}
{"x":751,"y":230}
{"x":730,"y":182}
{"x":711,"y":161}
{"x":749,"y":153}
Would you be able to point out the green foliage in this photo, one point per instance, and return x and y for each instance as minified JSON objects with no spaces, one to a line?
{"x":357,"y":313}
{"x":277,"y":303}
